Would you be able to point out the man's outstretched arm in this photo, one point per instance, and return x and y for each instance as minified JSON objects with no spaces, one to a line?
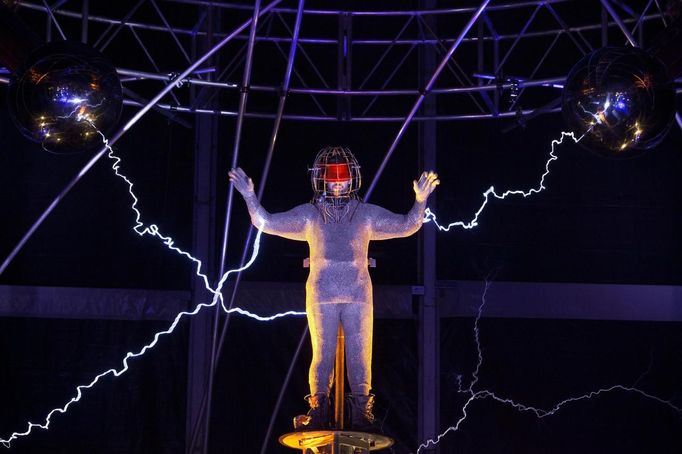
{"x":289,"y":224}
{"x":387,"y":225}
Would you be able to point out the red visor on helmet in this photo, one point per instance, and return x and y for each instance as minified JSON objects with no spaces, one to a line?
{"x":336,"y":172}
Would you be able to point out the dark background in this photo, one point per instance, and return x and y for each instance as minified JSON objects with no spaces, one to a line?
{"x":600,"y":221}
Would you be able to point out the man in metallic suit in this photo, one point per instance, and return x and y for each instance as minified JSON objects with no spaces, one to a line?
{"x":338,"y":228}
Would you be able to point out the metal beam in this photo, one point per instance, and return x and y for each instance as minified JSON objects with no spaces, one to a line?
{"x":85,"y":11}
{"x":462,"y":77}
{"x":385,"y":53}
{"x":428,"y":339}
{"x":119,"y":27}
{"x":229,"y":69}
{"x":344,"y":61}
{"x":535,"y":70}
{"x":420,"y":99}
{"x":384,"y":13}
{"x":91,"y":303}
{"x":390,"y":77}
{"x":541,"y":300}
{"x":167,"y":113}
{"x":141,"y":75}
{"x":150,"y":58}
{"x":641,"y":16}
{"x":203,"y":247}
{"x":246,"y":80}
{"x":268,"y":161}
{"x":302,"y":81}
{"x":614,"y":15}
{"x":333,"y":41}
{"x":53,"y":19}
{"x":604,"y":27}
{"x":661,"y":13}
{"x":303,"y":52}
{"x":563,"y":301}
{"x":520,"y":35}
{"x":269,"y":116}
{"x":569,"y":32}
{"x":171,"y":31}
{"x":217,"y":344}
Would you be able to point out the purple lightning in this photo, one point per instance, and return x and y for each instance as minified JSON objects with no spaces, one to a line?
{"x":431,"y":216}
{"x":539,"y":412}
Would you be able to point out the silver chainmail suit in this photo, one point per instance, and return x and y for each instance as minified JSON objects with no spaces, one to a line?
{"x":338,"y":287}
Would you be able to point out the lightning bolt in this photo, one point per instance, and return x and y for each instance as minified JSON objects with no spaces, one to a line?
{"x":152,"y":229}
{"x":430,"y":216}
{"x":539,"y":412}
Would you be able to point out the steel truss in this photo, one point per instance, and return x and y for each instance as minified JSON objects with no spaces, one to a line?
{"x":475,"y":85}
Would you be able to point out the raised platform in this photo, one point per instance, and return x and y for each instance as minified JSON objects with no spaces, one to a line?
{"x":335,"y":441}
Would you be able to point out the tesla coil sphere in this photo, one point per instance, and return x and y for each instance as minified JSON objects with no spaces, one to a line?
{"x":620,"y":99}
{"x":63,"y":95}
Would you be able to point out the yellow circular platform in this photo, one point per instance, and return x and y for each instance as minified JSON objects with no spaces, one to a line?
{"x":318,"y":438}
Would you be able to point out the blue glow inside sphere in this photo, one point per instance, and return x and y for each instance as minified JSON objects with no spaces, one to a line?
{"x":620,"y":99}
{"x":64,"y":95}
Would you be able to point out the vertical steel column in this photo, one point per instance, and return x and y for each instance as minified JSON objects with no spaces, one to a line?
{"x":266,"y":169}
{"x":204,"y":246}
{"x":496,"y":61}
{"x":246,"y":81}
{"x":48,"y":29}
{"x":52,"y":19}
{"x":604,"y":27}
{"x":428,"y":402}
{"x":344,"y":52}
{"x":206,"y":149}
{"x":480,"y":56}
{"x":496,"y":71}
{"x":268,"y":158}
{"x":421,"y":97}
{"x":85,"y":11}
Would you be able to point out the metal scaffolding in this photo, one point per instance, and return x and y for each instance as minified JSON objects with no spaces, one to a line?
{"x":489,"y":75}
{"x":471,"y":86}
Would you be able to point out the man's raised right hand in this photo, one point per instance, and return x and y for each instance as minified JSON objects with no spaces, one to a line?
{"x":241,"y":181}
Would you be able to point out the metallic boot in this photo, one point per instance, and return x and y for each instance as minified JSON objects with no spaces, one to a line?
{"x":318,"y":415}
{"x":361,"y":416}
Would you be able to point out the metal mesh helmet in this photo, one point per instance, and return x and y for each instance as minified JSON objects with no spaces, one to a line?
{"x":334,"y":164}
